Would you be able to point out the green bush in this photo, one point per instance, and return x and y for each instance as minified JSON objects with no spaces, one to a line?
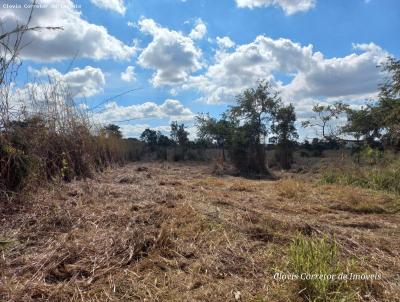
{"x":245,"y":152}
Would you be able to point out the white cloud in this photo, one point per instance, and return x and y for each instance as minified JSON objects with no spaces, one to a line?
{"x":225,"y":42}
{"x":290,"y":7}
{"x":346,"y":77}
{"x":52,"y":91}
{"x":199,"y":31}
{"x":234,"y":71}
{"x":131,"y":24}
{"x":129,"y":74}
{"x":170,"y":109}
{"x":113,"y":5}
{"x":313,"y":75}
{"x":77,"y":37}
{"x":83,"y":82}
{"x":171,"y":54}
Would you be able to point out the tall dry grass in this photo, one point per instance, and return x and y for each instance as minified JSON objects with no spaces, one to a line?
{"x":44,"y":135}
{"x":54,"y":139}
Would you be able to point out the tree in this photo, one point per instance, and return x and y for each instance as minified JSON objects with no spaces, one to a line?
{"x":178,"y":134}
{"x":381,"y":119}
{"x":254,"y":112}
{"x":113,"y":130}
{"x":286,"y":133}
{"x":156,"y":141}
{"x":364,"y":123}
{"x":389,"y":103}
{"x":214,"y":130}
{"x":150,"y":137}
{"x":180,"y":137}
{"x":163,"y":140}
{"x":391,"y":88}
{"x":324,"y":119}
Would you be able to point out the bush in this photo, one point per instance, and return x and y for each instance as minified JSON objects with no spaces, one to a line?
{"x":14,"y":167}
{"x":246,"y":154}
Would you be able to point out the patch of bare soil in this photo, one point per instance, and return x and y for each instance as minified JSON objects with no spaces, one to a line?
{"x":176,"y":232}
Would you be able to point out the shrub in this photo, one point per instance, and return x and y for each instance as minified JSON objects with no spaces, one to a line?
{"x":14,"y":167}
{"x":245,"y":152}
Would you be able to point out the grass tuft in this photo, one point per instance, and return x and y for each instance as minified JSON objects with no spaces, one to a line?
{"x":318,"y":256}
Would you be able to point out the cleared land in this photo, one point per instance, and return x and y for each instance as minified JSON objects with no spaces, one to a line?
{"x":175,"y":232}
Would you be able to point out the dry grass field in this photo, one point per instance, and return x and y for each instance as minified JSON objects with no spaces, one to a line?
{"x":175,"y":232}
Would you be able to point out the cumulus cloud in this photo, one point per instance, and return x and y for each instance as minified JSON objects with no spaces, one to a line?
{"x":77,"y":37}
{"x":129,"y":74}
{"x":172,"y":55}
{"x":199,"y":31}
{"x":346,"y":77}
{"x":234,"y":71}
{"x":113,"y":5}
{"x":313,"y":75}
{"x":83,"y":82}
{"x":290,"y":7}
{"x":52,"y":88}
{"x":170,"y":109}
{"x":225,"y":42}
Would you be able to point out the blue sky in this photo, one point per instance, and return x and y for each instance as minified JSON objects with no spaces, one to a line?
{"x":194,"y":56}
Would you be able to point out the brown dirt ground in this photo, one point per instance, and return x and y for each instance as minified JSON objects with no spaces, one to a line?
{"x":175,"y":232}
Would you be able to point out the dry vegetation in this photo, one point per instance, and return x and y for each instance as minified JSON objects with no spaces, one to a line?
{"x":175,"y":232}
{"x":189,"y":231}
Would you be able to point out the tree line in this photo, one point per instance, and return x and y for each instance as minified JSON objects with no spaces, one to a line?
{"x":375,"y":125}
{"x":241,"y":132}
{"x":259,"y":117}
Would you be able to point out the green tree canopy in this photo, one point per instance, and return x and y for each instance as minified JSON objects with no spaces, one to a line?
{"x":178,"y":134}
{"x":285,"y":131}
{"x":113,"y":130}
{"x":150,"y":137}
{"x":254,"y":114}
{"x":214,"y":130}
